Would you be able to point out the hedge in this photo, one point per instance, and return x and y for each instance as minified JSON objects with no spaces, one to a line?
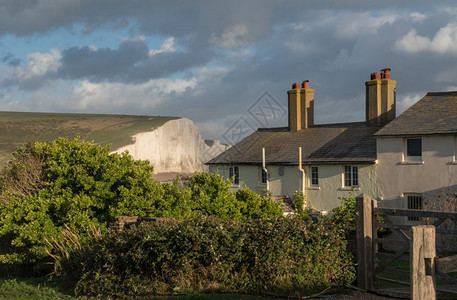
{"x":282,"y":256}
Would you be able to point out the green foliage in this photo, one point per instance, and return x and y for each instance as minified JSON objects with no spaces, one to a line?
{"x":82,"y":185}
{"x":209,"y":194}
{"x":298,"y":201}
{"x":75,"y":184}
{"x":344,"y":215}
{"x":207,"y":254}
{"x":30,"y":289}
{"x":298,"y":204}
{"x":256,"y":206}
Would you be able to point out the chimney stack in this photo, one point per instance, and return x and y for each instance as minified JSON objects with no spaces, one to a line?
{"x":380,"y":98}
{"x":301,"y":106}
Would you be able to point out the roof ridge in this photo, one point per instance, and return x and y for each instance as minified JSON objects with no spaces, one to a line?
{"x":449,"y":93}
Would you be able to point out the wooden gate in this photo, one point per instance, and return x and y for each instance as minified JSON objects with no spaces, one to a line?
{"x":378,"y":266}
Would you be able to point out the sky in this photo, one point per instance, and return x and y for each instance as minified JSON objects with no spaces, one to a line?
{"x":222,"y":64}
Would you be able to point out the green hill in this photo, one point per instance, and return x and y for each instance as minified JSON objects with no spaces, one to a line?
{"x":17,"y":128}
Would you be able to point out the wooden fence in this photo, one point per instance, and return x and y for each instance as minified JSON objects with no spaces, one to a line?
{"x":373,"y":262}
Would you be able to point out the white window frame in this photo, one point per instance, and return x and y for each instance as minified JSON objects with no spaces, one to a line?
{"x":263,"y":175}
{"x":235,"y":171}
{"x":312,"y":173}
{"x":415,"y":159}
{"x":353,"y":180}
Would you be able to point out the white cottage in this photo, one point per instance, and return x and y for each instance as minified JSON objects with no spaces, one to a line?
{"x":336,"y":160}
{"x":417,"y":153}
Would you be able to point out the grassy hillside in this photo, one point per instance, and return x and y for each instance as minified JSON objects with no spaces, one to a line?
{"x":17,"y":128}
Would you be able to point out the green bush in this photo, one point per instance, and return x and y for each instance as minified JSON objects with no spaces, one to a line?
{"x":344,"y":215}
{"x":207,"y":254}
{"x":210,"y":195}
{"x":75,"y":183}
{"x":50,"y":185}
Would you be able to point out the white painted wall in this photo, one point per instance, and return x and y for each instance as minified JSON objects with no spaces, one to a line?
{"x":331,"y":185}
{"x":324,"y":197}
{"x":436,"y":172}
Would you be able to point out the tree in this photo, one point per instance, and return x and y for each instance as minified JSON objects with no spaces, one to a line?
{"x":71,"y":182}
{"x":49,"y":186}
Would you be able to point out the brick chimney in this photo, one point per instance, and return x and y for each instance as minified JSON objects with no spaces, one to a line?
{"x":301,"y":106}
{"x":380,"y":98}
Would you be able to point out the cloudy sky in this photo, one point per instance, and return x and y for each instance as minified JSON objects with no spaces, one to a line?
{"x":210,"y":61}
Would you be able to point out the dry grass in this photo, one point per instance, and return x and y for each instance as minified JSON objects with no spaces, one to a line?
{"x":61,"y":248}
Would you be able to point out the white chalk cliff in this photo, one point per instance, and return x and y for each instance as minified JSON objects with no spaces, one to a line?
{"x":176,"y":146}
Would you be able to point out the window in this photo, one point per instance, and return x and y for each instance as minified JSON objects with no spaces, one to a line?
{"x":414,"y":149}
{"x":281,"y":171}
{"x":264,"y":176}
{"x":414,"y":202}
{"x":351,"y":176}
{"x":314,"y":176}
{"x":233,"y":171}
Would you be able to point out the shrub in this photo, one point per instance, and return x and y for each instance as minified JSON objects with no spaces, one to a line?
{"x":344,"y":215}
{"x":208,"y":254}
{"x":256,"y":206}
{"x":70,"y":183}
{"x":210,"y":195}
{"x":75,"y":184}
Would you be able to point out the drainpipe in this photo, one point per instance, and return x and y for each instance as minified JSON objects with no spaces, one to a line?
{"x":303,"y":177}
{"x":264,"y":168}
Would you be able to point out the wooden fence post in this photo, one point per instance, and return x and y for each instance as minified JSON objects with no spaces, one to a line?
{"x":365,"y":265}
{"x":423,"y":262}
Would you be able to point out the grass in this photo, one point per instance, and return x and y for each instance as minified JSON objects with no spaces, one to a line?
{"x":31,"y":288}
{"x":17,"y":128}
{"x":44,"y":288}
{"x":402,"y":265}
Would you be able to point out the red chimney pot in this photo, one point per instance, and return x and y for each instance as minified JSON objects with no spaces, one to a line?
{"x":296,"y":86}
{"x":385,"y":73}
{"x":374,"y":75}
{"x":305,"y":84}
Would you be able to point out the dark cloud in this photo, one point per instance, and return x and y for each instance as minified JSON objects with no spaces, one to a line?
{"x":130,"y":63}
{"x":104,"y":63}
{"x":10,"y":60}
{"x":264,"y":46}
{"x":28,"y":17}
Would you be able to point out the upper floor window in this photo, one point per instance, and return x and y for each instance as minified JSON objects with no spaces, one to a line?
{"x":314,"y":176}
{"x":234,"y":171}
{"x":414,"y":147}
{"x":412,"y":151}
{"x":351,"y":176}
{"x":264,"y":176}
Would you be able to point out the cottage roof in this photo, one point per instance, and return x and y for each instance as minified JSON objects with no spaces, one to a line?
{"x":436,"y":113}
{"x":329,"y":143}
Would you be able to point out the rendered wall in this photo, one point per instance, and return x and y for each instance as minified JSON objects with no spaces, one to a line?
{"x":250,"y":175}
{"x":437,"y":172}
{"x":331,"y":188}
{"x":325,"y":197}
